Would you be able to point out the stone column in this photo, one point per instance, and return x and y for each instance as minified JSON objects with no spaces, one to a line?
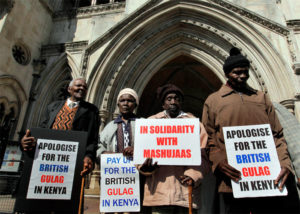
{"x":38,"y":66}
{"x":93,"y":186}
{"x":103,"y":115}
{"x":116,"y":113}
{"x":297,"y":109}
{"x":289,"y":104}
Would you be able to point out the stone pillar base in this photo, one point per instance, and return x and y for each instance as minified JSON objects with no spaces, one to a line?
{"x":94,"y":187}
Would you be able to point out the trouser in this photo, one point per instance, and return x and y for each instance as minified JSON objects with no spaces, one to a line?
{"x":263,"y":205}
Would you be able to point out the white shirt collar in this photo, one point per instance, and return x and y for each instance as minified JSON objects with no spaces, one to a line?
{"x":72,"y":104}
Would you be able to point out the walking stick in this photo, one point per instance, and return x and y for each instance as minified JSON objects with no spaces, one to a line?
{"x":190,"y":189}
{"x":81,"y":195}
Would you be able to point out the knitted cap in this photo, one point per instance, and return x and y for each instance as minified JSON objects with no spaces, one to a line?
{"x":130,"y":92}
{"x":164,"y":90}
{"x":235,"y":60}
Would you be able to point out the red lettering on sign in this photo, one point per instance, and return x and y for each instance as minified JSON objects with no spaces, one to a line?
{"x":52,"y":179}
{"x":256,"y":171}
{"x":119,"y":191}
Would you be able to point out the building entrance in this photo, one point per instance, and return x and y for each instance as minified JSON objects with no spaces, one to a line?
{"x":195,"y":79}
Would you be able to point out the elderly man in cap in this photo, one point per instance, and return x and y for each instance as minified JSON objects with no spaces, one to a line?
{"x":237,"y":104}
{"x":118,"y":135}
{"x":166,"y":187}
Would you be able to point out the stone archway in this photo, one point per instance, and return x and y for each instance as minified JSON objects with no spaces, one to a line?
{"x":194,"y":78}
{"x":130,"y":54}
{"x":13,"y":97}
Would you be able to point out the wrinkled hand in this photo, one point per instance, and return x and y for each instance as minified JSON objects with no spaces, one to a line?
{"x":229,"y":171}
{"x":186,"y":180}
{"x":88,"y":166}
{"x":148,"y":166}
{"x":128,"y":151}
{"x":283,"y":175}
{"x":28,"y":143}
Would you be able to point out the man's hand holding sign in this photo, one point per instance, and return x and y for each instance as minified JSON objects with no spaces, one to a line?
{"x":53,"y":170}
{"x":229,"y":171}
{"x":28,"y":142}
{"x":168,"y":150}
{"x":169,"y":141}
{"x":53,"y":173}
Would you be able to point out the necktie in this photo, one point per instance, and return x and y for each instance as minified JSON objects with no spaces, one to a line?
{"x":120,"y":138}
{"x":72,"y":105}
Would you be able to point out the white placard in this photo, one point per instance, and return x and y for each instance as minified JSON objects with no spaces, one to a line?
{"x":53,"y":170}
{"x":168,"y":141}
{"x":251,"y":150}
{"x":12,"y":153}
{"x":120,"y":184}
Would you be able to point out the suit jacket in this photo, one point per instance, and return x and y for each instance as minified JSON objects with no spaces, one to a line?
{"x":86,"y":119}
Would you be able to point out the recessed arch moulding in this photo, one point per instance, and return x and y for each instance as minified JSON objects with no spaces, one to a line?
{"x":13,"y":96}
{"x":58,"y":73}
{"x":202,"y":31}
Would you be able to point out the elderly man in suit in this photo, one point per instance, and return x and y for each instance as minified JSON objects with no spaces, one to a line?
{"x":72,"y":114}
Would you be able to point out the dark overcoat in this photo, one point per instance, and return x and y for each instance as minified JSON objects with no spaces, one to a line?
{"x":86,"y":119}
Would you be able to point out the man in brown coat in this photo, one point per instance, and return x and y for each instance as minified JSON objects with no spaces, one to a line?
{"x":237,"y":104}
{"x":166,"y":187}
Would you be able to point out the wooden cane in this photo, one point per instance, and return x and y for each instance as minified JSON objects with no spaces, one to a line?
{"x":81,"y":195}
{"x":190,"y":189}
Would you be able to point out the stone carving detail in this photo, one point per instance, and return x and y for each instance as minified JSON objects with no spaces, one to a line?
{"x":289,"y":104}
{"x":291,"y":48}
{"x":92,"y":10}
{"x":219,"y":52}
{"x":296,"y":68}
{"x":85,"y":63}
{"x":253,"y":16}
{"x":50,"y":50}
{"x":94,"y":46}
{"x":21,"y":54}
{"x":5,"y":7}
{"x":186,"y":20}
{"x":293,"y":24}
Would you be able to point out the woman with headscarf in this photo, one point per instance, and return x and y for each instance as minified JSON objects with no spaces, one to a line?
{"x":118,"y":135}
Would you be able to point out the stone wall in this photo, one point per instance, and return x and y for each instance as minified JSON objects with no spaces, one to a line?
{"x":26,"y":27}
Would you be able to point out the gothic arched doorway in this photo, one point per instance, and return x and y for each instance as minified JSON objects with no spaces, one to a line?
{"x":193,"y":77}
